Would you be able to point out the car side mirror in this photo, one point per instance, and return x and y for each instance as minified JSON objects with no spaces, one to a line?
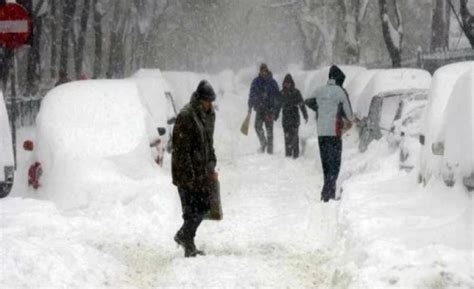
{"x":438,"y":148}
{"x":171,"y":121}
{"x":421,"y":138}
{"x":161,"y":131}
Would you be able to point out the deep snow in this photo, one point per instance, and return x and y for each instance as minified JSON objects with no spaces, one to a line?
{"x":386,"y":232}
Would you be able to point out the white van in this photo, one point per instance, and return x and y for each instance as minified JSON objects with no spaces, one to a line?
{"x":7,"y":162}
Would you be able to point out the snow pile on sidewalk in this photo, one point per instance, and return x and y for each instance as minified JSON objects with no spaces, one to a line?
{"x":398,"y":233}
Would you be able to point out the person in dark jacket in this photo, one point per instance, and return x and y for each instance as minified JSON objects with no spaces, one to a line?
{"x":332,"y":107}
{"x":263,"y":96}
{"x":290,"y":103}
{"x":193,"y":163}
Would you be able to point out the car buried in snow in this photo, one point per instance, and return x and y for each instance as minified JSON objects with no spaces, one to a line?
{"x":395,"y":115}
{"x":454,"y":146}
{"x":158,"y":101}
{"x":446,"y":152}
{"x":7,"y":162}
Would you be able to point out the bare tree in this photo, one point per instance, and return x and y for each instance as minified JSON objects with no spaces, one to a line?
{"x":393,"y":36}
{"x":69,"y":8}
{"x":54,"y":36}
{"x":318,"y":20}
{"x":467,"y":21}
{"x":99,"y":13}
{"x":116,"y":67}
{"x":38,"y":14}
{"x":354,"y":12}
{"x":81,"y":39}
{"x":440,"y":25}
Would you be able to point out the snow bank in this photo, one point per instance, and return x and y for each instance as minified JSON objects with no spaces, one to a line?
{"x":6,"y":157}
{"x":442,"y":86}
{"x":41,"y":248}
{"x":389,"y":80}
{"x":92,"y":143}
{"x":458,"y":131}
{"x":399,"y":234}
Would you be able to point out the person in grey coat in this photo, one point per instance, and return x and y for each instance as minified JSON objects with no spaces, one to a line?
{"x":333,"y":108}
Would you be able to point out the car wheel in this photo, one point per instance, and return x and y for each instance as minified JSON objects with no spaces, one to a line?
{"x":5,"y":189}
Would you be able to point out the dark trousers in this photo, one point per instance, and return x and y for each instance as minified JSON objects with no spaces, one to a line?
{"x":292,"y":145}
{"x":194,"y":207}
{"x":265,"y":142}
{"x":330,"y":148}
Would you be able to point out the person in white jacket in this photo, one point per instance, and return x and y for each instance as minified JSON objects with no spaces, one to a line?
{"x":333,"y":109}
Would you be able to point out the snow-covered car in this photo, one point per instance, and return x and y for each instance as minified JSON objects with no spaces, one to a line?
{"x":92,"y":144}
{"x":159,"y":103}
{"x":7,"y":163}
{"x":435,"y":118}
{"x":387,"y":80}
{"x":396,"y":115}
{"x":455,"y":144}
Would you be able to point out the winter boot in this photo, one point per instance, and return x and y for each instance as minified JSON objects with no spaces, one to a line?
{"x":188,"y":246}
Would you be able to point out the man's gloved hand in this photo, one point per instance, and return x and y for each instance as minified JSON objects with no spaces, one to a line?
{"x":214,"y":176}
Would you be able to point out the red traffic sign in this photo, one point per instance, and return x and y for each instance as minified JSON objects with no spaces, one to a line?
{"x":15,"y":25}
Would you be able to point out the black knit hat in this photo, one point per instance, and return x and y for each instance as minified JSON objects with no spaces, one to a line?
{"x":205,"y":91}
{"x":337,"y":74}
{"x":264,"y":67}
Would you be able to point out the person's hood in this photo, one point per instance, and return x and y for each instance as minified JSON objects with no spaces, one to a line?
{"x":336,"y":73}
{"x":288,"y":78}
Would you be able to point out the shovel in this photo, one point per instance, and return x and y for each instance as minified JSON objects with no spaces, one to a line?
{"x":244,"y":129}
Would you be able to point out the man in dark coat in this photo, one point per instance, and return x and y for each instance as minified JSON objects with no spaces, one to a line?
{"x":264,"y":93}
{"x":332,"y":106}
{"x":290,"y":103}
{"x":194,"y":162}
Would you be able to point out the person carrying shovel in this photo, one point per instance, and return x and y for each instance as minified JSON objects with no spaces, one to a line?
{"x":263,"y":96}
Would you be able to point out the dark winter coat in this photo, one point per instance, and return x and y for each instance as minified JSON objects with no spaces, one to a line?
{"x":290,"y":101}
{"x":193,"y":157}
{"x":264,"y":93}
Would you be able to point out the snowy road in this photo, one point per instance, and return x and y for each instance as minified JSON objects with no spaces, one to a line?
{"x":386,"y":232}
{"x":269,"y":238}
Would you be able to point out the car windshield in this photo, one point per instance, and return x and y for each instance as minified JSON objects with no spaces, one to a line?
{"x":391,"y":110}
